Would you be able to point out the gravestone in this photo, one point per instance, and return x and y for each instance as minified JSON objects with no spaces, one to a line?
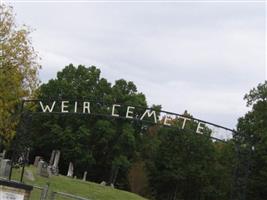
{"x":39,"y":166}
{"x":56,"y":161}
{"x":49,"y":170}
{"x":53,"y":163}
{"x":103,"y":183}
{"x":42,"y":169}
{"x":70,"y":170}
{"x":29,"y":175}
{"x":36,"y":160}
{"x":2,"y":155}
{"x":27,"y":155}
{"x":12,"y":190}
{"x":84,"y":175}
{"x":52,"y":158}
{"x":5,"y":166}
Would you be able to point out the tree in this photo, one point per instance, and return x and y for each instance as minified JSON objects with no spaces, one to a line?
{"x":102,"y":146}
{"x":184,"y":165}
{"x":253,"y":142}
{"x":18,"y":71}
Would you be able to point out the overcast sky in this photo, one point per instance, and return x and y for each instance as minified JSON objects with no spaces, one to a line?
{"x":202,"y":57}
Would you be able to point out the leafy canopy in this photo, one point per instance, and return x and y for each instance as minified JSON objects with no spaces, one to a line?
{"x":253,"y":139}
{"x":104,"y":147}
{"x":18,"y":70}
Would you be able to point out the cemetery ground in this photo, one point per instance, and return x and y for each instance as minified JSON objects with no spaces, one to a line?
{"x":86,"y":189}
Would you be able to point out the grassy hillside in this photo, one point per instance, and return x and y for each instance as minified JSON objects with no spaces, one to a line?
{"x":81,"y":188}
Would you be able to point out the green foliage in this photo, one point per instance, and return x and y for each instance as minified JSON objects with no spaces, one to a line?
{"x":104,"y":147}
{"x":184,"y":165}
{"x":18,"y":71}
{"x":253,"y":141}
{"x":257,"y":94}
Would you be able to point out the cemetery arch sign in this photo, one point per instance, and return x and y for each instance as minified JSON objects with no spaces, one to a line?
{"x":123,"y":111}
{"x":134,"y":113}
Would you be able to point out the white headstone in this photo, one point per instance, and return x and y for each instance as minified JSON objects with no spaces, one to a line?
{"x":70,"y":170}
{"x":56,"y":161}
{"x":51,"y":162}
{"x":36,"y":160}
{"x":103,"y":183}
{"x":5,"y":167}
{"x":29,"y":175}
{"x":84,"y":175}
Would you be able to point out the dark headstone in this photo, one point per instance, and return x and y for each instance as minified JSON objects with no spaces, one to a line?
{"x":53,"y":163}
{"x":49,"y":170}
{"x":56,"y":161}
{"x":42,"y":169}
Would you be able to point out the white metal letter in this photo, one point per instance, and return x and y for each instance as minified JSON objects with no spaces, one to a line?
{"x":149,"y":114}
{"x":113,"y":110}
{"x":165,"y":122}
{"x":75,"y":106}
{"x":129,"y":112}
{"x":200,"y":127}
{"x":185,"y":119}
{"x":47,"y":107}
{"x":86,"y":106}
{"x":63,"y":106}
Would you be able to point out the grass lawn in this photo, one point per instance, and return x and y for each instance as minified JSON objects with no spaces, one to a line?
{"x":78,"y":187}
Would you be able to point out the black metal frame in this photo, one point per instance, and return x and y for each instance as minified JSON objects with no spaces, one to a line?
{"x":120,"y":117}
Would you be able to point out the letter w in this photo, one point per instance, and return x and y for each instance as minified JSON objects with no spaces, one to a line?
{"x":50,"y":109}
